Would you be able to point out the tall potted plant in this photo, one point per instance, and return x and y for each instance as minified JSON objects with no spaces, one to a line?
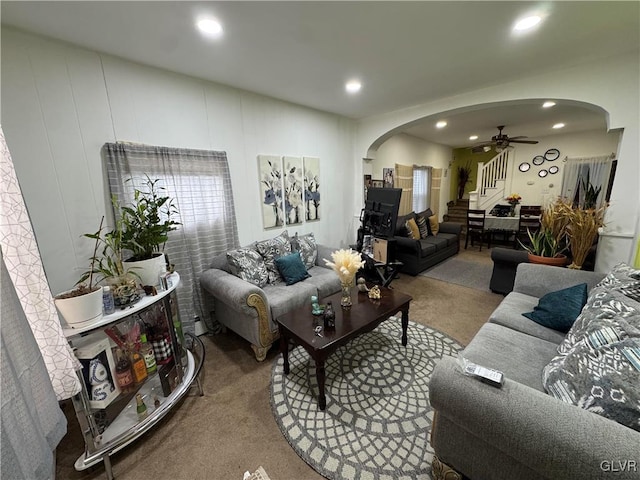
{"x":464,"y":177}
{"x":146,"y":223}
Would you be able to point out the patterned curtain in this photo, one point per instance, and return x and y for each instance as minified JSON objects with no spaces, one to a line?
{"x":199,"y":181}
{"x":404,"y":180}
{"x":24,"y":266}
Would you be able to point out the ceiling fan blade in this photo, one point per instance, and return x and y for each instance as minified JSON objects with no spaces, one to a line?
{"x":523,"y":141}
{"x":519,"y":136}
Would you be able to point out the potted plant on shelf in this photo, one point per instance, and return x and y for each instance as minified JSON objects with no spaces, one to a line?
{"x":82,"y":305}
{"x":109,"y":267}
{"x":146,"y":223}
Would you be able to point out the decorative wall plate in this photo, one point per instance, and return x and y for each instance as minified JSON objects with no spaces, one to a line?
{"x":552,"y":154}
{"x":524,"y":166}
{"x":542,"y":173}
{"x":538,"y":160}
{"x":553,"y":169}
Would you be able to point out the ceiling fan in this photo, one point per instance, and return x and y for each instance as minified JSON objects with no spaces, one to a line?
{"x":500,"y":142}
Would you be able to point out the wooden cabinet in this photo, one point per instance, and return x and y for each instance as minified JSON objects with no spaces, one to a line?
{"x":107,"y":414}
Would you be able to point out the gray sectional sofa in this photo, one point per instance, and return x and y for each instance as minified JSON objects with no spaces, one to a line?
{"x":520,"y":431}
{"x":250,"y":310}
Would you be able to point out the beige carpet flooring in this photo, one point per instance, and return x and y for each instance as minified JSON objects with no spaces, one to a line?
{"x":231,"y":429}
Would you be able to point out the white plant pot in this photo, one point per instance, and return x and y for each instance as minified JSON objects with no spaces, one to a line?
{"x":147,"y":271}
{"x":81,"y":311}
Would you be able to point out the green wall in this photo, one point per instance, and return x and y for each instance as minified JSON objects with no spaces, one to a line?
{"x":460,"y":158}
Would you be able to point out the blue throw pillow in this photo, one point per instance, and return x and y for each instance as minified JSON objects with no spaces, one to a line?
{"x":559,"y":310}
{"x":291,"y":268}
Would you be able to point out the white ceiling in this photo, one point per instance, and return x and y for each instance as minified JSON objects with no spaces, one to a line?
{"x":405,"y":53}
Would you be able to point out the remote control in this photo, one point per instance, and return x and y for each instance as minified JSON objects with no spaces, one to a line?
{"x":487,"y":375}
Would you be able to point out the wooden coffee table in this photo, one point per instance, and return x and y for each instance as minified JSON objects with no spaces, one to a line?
{"x":365,"y":315}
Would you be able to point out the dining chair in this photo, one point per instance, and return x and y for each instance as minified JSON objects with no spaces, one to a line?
{"x":529,"y":221}
{"x":475,"y":227}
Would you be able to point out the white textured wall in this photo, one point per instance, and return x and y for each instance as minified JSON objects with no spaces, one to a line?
{"x":408,"y":150}
{"x":58,"y":109}
{"x":583,"y":144}
{"x":611,"y":84}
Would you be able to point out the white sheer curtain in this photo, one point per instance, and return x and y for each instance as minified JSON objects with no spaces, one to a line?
{"x":577,"y":170}
{"x":199,"y":181}
{"x":421,"y":187}
{"x":24,"y":267}
{"x":38,"y":367}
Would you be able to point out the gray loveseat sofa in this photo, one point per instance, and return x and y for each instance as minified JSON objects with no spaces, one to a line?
{"x":251,"y":311}
{"x":519,"y":431}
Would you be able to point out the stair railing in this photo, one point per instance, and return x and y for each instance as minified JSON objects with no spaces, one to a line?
{"x":492,"y":171}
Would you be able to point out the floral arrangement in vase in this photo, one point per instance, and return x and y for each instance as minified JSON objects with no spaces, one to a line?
{"x":345,"y":263}
{"x":513,"y":200}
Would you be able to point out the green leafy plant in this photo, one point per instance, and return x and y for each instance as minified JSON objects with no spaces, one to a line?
{"x":147,"y":221}
{"x":464,"y":177}
{"x":543,"y":243}
{"x":590,"y":193}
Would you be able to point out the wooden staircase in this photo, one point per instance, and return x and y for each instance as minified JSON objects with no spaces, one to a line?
{"x":457,"y":213}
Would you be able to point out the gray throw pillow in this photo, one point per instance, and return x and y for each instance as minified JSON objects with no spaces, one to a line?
{"x":272,"y":249}
{"x":247,"y":264}
{"x":308,"y":248}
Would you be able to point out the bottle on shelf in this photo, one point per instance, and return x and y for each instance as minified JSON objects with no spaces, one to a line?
{"x":124,"y":374}
{"x":139,"y":367}
{"x":141,"y":408}
{"x":147,"y":353}
{"x":108,"y":302}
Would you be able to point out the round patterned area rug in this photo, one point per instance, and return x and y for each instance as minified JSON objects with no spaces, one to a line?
{"x":378,"y":417}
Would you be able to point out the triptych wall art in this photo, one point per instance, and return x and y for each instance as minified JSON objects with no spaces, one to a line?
{"x":289,"y":190}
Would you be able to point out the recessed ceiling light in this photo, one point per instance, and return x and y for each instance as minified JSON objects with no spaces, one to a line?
{"x":527,"y":23}
{"x":353,"y":86}
{"x":473,"y":137}
{"x":441,"y":124}
{"x":548,"y":104}
{"x":558,"y":125}
{"x":210,"y":26}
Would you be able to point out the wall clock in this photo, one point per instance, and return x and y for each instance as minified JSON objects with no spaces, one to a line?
{"x":553,"y":169}
{"x":524,"y":166}
{"x":542,"y":173}
{"x":538,"y":160}
{"x":552,"y":154}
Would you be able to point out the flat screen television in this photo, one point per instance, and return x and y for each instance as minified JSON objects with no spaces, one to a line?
{"x":380,"y":212}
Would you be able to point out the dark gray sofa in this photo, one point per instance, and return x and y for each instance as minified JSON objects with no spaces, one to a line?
{"x":418,"y":255}
{"x":519,"y":431}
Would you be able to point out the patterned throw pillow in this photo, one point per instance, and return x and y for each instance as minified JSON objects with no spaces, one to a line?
{"x":422,"y":227}
{"x":598,"y":363}
{"x":308,"y":248}
{"x":272,"y":249}
{"x":247,"y":264}
{"x":414,"y":231}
